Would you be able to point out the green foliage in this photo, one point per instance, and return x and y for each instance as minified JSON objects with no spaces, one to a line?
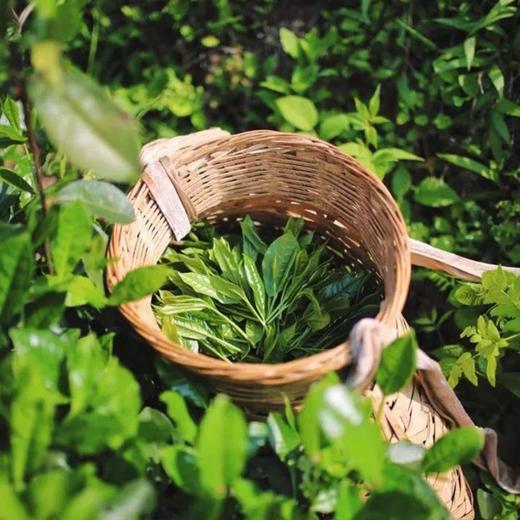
{"x":492,"y":329}
{"x":397,"y":364}
{"x":424,"y":95}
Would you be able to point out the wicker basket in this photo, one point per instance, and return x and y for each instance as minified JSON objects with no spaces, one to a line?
{"x":213,"y":175}
{"x":273,"y":175}
{"x":270,"y":175}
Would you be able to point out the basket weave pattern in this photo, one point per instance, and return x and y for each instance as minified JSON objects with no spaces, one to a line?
{"x":272,"y":176}
{"x":269,"y":175}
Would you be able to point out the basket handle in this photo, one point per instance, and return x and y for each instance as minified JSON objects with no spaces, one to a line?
{"x":424,"y":255}
{"x":160,"y":148}
{"x":158,"y":163}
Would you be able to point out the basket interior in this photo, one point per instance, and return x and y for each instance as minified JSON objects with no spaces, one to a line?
{"x":311,"y":180}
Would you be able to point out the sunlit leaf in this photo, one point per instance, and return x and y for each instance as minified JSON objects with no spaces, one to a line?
{"x":82,"y":121}
{"x":299,"y":111}
{"x":100,"y":198}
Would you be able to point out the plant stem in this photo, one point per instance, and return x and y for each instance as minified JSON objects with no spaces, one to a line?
{"x":37,"y":170}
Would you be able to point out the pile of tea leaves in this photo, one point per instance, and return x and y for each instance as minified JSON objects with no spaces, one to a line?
{"x":257,"y":295}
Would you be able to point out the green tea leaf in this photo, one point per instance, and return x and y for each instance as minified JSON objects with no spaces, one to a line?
{"x":16,"y":268}
{"x":489,"y":506}
{"x":497,"y":78}
{"x":11,"y":110}
{"x":334,"y":125}
{"x":72,"y":238}
{"x":56,"y":483}
{"x":397,"y":364}
{"x":469,"y":50}
{"x":299,"y":111}
{"x":181,"y":464}
{"x":277,"y":262}
{"x":434,"y":192}
{"x":345,"y":419}
{"x":282,"y":437}
{"x":256,"y":284}
{"x":223,"y":255}
{"x":12,"y":505}
{"x":468,"y":164}
{"x":289,"y":42}
{"x":458,"y":446}
{"x":14,"y":180}
{"x":200,"y":283}
{"x":112,"y":419}
{"x":94,"y":133}
{"x":222,"y":446}
{"x":178,"y":412}
{"x":139,"y":283}
{"x":227,"y":292}
{"x":84,"y":363}
{"x":100,"y":198}
{"x":252,"y":243}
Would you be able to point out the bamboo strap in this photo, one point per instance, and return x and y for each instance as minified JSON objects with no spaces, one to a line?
{"x":369,"y":337}
{"x":424,"y":255}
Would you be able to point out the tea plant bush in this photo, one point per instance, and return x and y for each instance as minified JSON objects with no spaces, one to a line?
{"x":425,"y":94}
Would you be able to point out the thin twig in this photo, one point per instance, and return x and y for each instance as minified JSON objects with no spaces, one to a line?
{"x":34,"y":147}
{"x":18,"y":66}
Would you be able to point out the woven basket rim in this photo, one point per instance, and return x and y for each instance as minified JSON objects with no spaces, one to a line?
{"x":248,"y":371}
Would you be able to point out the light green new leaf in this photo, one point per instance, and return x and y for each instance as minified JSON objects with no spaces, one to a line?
{"x":277,"y":261}
{"x":72,"y":237}
{"x":458,"y":446}
{"x":395,"y":154}
{"x":401,"y":182}
{"x":397,"y":365}
{"x":299,"y":111}
{"x":113,"y":417}
{"x":334,"y":125}
{"x":101,"y":198}
{"x":497,"y":78}
{"x":200,"y":283}
{"x":434,"y":192}
{"x":222,"y":446}
{"x":11,"y":110}
{"x":139,"y":283}
{"x":468,"y":164}
{"x":289,"y":42}
{"x":374,"y":103}
{"x":178,"y":412}
{"x":16,"y":267}
{"x":469,"y":50}
{"x":85,"y":123}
